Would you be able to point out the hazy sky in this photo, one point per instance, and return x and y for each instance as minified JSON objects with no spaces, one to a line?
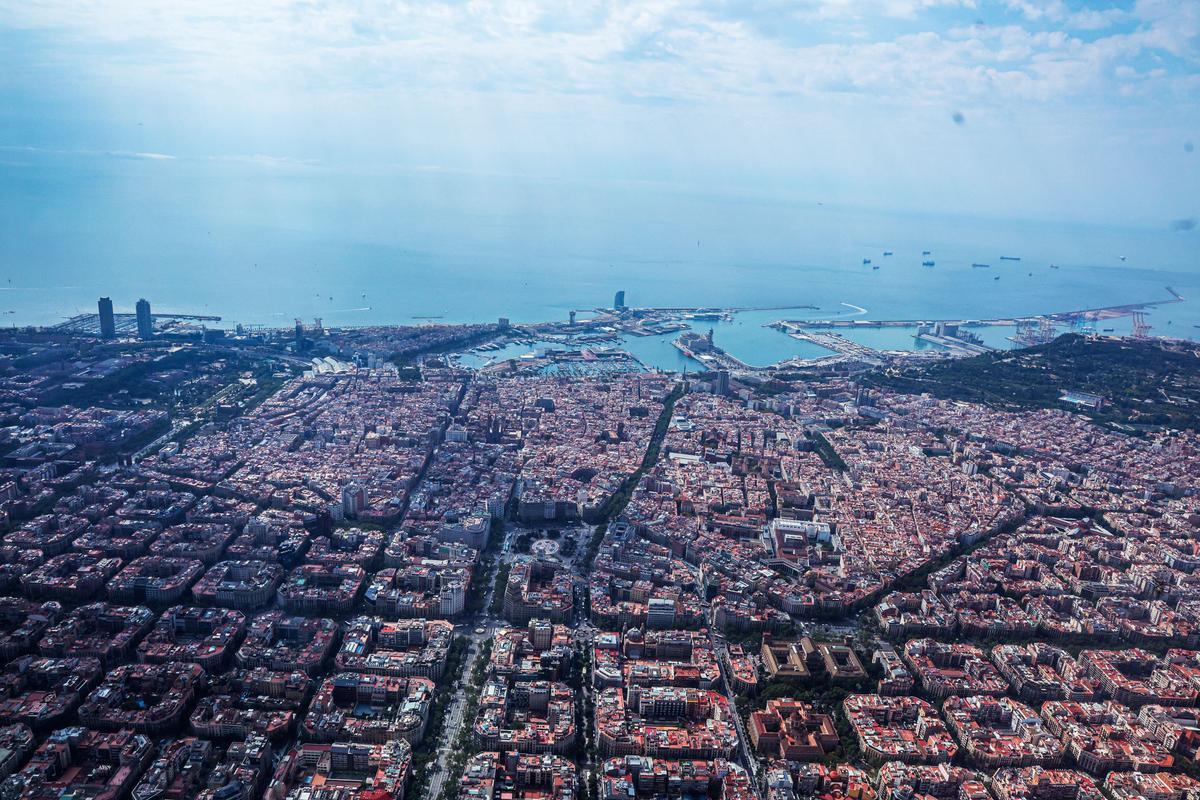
{"x":1017,"y":107}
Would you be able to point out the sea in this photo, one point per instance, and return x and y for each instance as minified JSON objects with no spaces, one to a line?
{"x":263,"y":242}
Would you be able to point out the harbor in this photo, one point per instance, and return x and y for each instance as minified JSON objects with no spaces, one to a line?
{"x":622,"y":338}
{"x":741,"y":339}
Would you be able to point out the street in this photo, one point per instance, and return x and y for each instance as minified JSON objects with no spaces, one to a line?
{"x":480,"y":628}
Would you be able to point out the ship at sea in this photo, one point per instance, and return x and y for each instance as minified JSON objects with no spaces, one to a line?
{"x":887,"y":252}
{"x":1010,"y":258}
{"x":926,"y":263}
{"x":866,"y":261}
{"x":925,"y":252}
{"x":981,"y":266}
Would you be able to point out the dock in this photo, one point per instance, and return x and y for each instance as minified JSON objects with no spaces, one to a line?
{"x":1111,"y":312}
{"x":702,"y":349}
{"x":954,"y":344}
{"x":1103,"y":312}
{"x":837,"y":343}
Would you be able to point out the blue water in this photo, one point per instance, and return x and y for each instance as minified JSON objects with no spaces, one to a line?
{"x":264,"y":244}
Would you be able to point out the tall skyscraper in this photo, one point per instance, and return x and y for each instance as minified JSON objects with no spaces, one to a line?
{"x":108,"y":326}
{"x":619,"y":301}
{"x":144,"y":322}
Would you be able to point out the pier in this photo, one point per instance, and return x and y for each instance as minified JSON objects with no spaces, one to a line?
{"x":837,"y":343}
{"x":954,"y":344}
{"x":701,"y":348}
{"x":1103,"y":312}
{"x":1111,"y":312}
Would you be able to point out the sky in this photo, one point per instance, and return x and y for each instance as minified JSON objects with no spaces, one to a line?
{"x":1009,"y":108}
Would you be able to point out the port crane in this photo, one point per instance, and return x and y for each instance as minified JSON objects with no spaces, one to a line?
{"x":1032,"y":332}
{"x":1141,"y":328}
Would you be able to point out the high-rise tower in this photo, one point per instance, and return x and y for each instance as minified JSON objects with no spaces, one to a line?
{"x":108,"y":326}
{"x":145,"y":323}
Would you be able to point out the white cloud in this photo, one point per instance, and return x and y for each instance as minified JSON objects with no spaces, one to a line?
{"x":841,"y":93}
{"x":676,"y":50}
{"x":1095,"y":19}
{"x":896,"y":9}
{"x":1054,"y":10}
